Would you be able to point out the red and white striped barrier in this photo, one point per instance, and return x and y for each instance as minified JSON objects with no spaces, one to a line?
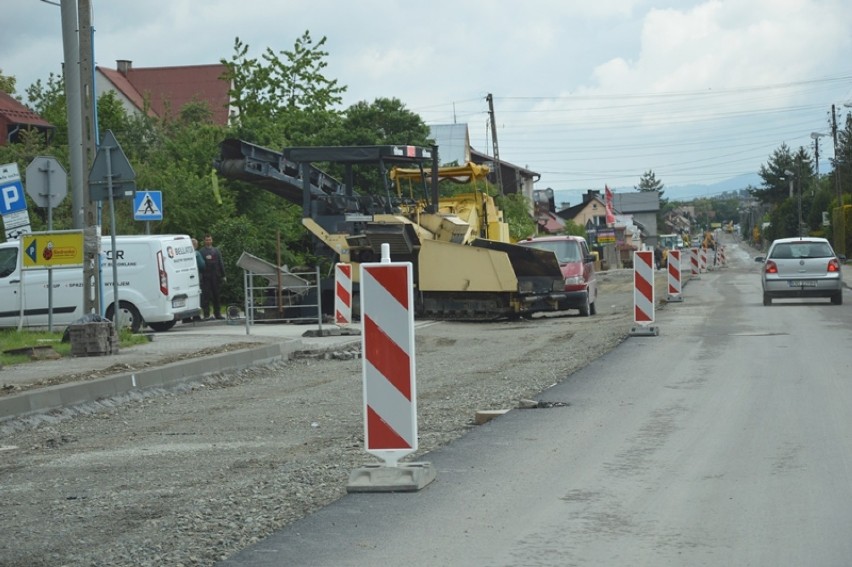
{"x":702,"y":260}
{"x":721,"y":253}
{"x":693,"y":262}
{"x":643,"y":293}
{"x":387,"y":321}
{"x":342,"y":293}
{"x":390,"y":390}
{"x":674,"y":277}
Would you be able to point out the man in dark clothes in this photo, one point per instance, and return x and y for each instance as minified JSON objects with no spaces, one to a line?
{"x":211,"y":278}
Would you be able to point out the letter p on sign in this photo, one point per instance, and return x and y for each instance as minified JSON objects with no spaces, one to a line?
{"x":12,"y":198}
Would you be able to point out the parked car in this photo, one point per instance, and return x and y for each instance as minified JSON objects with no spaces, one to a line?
{"x":801,"y":267}
{"x":578,"y":269}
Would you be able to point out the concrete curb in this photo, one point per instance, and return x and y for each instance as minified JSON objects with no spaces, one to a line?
{"x":67,"y":395}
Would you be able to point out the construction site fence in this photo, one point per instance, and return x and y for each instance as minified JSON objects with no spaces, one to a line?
{"x":297,"y":303}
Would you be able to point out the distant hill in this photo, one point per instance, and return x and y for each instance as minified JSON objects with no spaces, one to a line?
{"x":690,"y":192}
{"x":676,"y":192}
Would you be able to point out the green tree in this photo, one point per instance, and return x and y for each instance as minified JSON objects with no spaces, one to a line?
{"x":572,"y":227}
{"x":819,"y":199}
{"x":516,"y":209}
{"x":384,"y":121}
{"x":7,"y":83}
{"x":786,"y":176}
{"x":274,"y":94}
{"x":48,"y":101}
{"x":775,"y":187}
{"x":843,"y":163}
{"x":649,"y":182}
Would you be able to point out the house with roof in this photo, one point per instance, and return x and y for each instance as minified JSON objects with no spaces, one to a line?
{"x":643,"y":207}
{"x":162,"y":91}
{"x":16,"y":117}
{"x":590,"y":213}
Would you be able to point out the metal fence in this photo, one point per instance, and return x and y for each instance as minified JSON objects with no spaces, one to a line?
{"x":275,"y":294}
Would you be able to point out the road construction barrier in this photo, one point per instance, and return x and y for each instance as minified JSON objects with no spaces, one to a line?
{"x":342,"y":293}
{"x":674,"y":276}
{"x":387,"y":320}
{"x":721,"y":256}
{"x":643,"y":294}
{"x":694,"y":262}
{"x":702,"y":260}
{"x":390,"y":391}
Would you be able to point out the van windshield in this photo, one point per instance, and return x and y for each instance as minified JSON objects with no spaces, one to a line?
{"x":8,"y":261}
{"x":565,"y":250}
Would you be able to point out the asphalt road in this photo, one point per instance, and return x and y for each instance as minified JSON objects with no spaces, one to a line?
{"x":724,"y":440}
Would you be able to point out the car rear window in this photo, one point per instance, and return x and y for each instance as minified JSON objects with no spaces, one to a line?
{"x":799,"y":250}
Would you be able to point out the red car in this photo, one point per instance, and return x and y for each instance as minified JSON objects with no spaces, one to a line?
{"x":578,"y":269}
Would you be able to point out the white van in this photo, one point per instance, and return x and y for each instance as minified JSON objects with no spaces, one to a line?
{"x":158,"y":285}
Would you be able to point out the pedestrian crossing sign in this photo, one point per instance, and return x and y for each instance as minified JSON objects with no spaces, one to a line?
{"x":148,"y":205}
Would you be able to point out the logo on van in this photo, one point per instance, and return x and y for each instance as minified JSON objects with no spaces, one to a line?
{"x":170,"y":251}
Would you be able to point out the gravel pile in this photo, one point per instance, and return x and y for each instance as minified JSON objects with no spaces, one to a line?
{"x":192,"y":475}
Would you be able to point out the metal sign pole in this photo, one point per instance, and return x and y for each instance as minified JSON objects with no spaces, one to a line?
{"x":115,"y":303}
{"x":49,"y":269}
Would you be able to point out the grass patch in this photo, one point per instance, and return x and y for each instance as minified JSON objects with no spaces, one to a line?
{"x":13,"y":339}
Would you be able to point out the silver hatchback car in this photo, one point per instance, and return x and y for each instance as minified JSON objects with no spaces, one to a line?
{"x":801,"y":267}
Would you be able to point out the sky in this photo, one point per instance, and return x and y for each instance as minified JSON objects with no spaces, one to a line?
{"x":585,"y":93}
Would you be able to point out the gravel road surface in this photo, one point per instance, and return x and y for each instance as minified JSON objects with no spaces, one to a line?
{"x":190,"y":476}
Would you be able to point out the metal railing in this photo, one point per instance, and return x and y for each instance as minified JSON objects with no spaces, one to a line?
{"x":278,"y":295}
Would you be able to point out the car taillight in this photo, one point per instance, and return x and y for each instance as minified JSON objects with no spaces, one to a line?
{"x":833,"y":265}
{"x":161,"y":274}
{"x":770,"y":267}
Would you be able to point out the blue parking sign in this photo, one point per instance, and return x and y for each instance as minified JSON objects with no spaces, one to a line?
{"x":12,"y":198}
{"x":11,"y":190}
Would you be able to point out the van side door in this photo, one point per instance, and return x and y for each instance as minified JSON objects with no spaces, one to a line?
{"x":61,"y":307}
{"x":10,"y":286}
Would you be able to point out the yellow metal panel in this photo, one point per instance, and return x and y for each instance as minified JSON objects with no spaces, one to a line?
{"x":336,"y":242}
{"x":452,"y":267}
{"x":62,"y":249}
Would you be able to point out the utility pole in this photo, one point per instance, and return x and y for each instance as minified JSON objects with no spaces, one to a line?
{"x":840,"y":229}
{"x":71,"y":74}
{"x":816,"y":136}
{"x":77,"y":72}
{"x":88,"y":96}
{"x":498,"y":176}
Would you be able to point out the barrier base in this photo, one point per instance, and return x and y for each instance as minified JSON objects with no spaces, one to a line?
{"x":647,"y":331}
{"x":674,"y":299}
{"x":335,"y":331}
{"x":407,"y":477}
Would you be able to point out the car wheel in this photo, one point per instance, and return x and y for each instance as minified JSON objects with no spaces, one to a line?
{"x":592,"y":309}
{"x":837,"y":298}
{"x":586,"y":307}
{"x":128,"y":316}
{"x":766,"y":299}
{"x":162,"y":326}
